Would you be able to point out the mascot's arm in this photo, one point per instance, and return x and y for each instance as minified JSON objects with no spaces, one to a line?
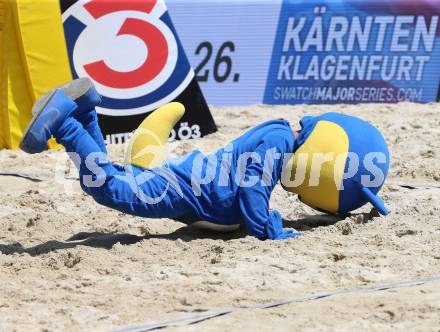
{"x":254,"y":205}
{"x":261,"y":222}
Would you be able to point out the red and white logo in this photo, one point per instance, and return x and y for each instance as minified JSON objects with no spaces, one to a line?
{"x":128,"y":48}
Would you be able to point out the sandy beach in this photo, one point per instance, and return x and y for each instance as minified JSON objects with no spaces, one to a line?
{"x":68,"y":264}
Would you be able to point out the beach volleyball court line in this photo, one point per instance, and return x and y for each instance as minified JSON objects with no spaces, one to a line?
{"x":212,"y":314}
{"x":36,"y":177}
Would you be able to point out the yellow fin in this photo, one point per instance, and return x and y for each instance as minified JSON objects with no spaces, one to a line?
{"x":147,"y":147}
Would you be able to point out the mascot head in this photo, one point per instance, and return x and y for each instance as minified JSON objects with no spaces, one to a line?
{"x":340,"y":163}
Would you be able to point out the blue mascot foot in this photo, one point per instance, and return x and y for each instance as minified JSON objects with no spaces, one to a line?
{"x":49,"y":112}
{"x":82,"y":91}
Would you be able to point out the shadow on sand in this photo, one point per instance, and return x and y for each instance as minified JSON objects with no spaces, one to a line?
{"x":187,"y":234}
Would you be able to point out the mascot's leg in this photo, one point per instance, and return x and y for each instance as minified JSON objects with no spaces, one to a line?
{"x":147,"y":147}
{"x":129,"y":189}
{"x":82,"y":91}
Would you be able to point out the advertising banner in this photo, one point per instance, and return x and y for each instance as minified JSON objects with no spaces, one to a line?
{"x":229,"y":44}
{"x":132,"y":52}
{"x":243,"y":52}
{"x":129,"y":48}
{"x":312,"y":51}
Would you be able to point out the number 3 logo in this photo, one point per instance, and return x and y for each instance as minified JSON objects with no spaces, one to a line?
{"x":152,"y":37}
{"x":128,"y":48}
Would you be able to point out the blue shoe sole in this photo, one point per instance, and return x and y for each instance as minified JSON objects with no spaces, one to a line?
{"x":83,"y":93}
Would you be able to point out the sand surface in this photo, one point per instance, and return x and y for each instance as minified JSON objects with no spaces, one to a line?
{"x":121,"y":271}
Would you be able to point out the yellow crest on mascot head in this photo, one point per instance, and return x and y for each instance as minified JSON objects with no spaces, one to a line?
{"x":320,"y":163}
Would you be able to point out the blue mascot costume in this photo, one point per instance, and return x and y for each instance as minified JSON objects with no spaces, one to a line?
{"x":232,"y":186}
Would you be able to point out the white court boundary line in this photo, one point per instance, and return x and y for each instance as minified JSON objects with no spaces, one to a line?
{"x":212,"y":314}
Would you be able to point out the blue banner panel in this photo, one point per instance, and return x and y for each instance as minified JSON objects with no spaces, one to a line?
{"x":311,"y":51}
{"x":351,"y":51}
